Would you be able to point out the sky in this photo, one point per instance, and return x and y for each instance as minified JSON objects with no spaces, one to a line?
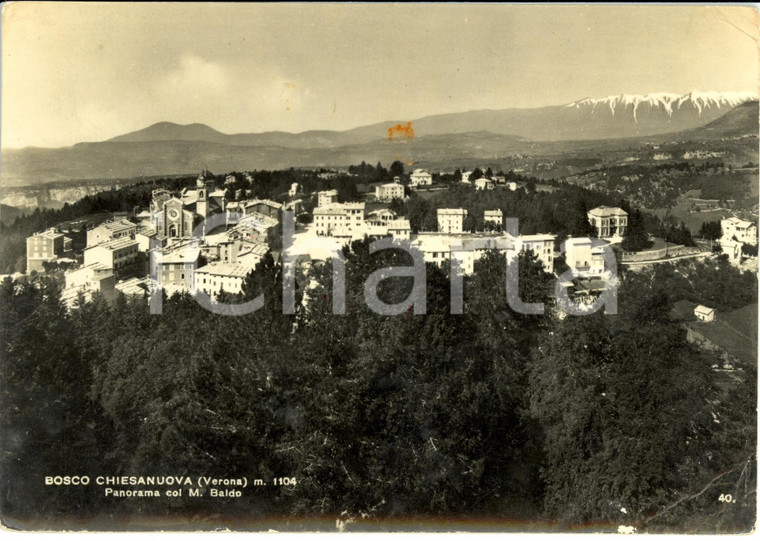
{"x":74,"y":72}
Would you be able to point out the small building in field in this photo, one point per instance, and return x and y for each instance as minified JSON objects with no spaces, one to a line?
{"x":703,"y":313}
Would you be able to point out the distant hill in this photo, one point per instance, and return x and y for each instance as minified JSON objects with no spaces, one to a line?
{"x":604,"y":118}
{"x":741,"y":120}
{"x":167,"y":148}
{"x":8,"y":213}
{"x":168,"y":131}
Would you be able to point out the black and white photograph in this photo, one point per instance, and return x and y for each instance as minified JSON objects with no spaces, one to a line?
{"x":375,"y":267}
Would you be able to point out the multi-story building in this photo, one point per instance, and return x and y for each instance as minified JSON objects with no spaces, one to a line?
{"x":267,"y":207}
{"x":143,"y":236}
{"x":380,"y":217}
{"x":119,"y":255}
{"x":732,"y":248}
{"x":45,"y":247}
{"x":239,"y":250}
{"x":420,"y":177}
{"x":494,"y":217}
{"x":466,"y":249}
{"x":451,"y":220}
{"x":389,"y":191}
{"x":254,"y":226}
{"x":339,"y":217}
{"x":608,"y":221}
{"x":216,"y":277}
{"x":114,"y":229}
{"x":542,"y":245}
{"x":88,"y":280}
{"x":585,"y":255}
{"x":327,"y":197}
{"x":400,"y":229}
{"x":742,"y":230}
{"x":176,"y":265}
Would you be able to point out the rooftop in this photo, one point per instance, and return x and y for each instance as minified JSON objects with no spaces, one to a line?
{"x":604,"y":212}
{"x":117,"y":226}
{"x":401,"y":223}
{"x":738,"y":222}
{"x":181,"y":253}
{"x":225,"y":269}
{"x":115,"y":244}
{"x":457,"y":212}
{"x":540,"y":237}
{"x":49,"y":234}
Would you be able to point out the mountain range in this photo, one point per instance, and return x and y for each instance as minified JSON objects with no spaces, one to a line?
{"x":167,"y":148}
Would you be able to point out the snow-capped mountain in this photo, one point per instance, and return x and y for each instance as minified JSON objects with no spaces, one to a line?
{"x":624,"y":115}
{"x":167,"y":148}
{"x":666,"y":102}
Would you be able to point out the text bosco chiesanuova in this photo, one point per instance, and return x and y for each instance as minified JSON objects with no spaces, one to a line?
{"x":171,"y":486}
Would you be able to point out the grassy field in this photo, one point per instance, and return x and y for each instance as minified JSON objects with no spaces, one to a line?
{"x":693,"y":220}
{"x":734,"y":332}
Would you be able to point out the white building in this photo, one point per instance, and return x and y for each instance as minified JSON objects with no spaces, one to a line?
{"x":176,"y":265}
{"x":483,"y":184}
{"x":732,"y":248}
{"x":87,"y":280}
{"x":585,"y":256}
{"x":115,"y":254}
{"x":143,"y":236}
{"x":239,"y":250}
{"x":400,"y":229}
{"x":542,"y":245}
{"x":293,"y":189}
{"x":742,"y":230}
{"x":345,"y":218}
{"x":466,"y":249}
{"x":420,"y":177}
{"x":494,"y":217}
{"x":609,"y":221}
{"x":46,"y":246}
{"x":703,"y":313}
{"x":389,"y":191}
{"x":114,"y":229}
{"x":466,"y":176}
{"x":380,"y":217}
{"x":216,"y":277}
{"x":328,"y":197}
{"x":451,"y":220}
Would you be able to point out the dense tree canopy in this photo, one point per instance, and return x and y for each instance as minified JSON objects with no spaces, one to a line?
{"x":491,"y":413}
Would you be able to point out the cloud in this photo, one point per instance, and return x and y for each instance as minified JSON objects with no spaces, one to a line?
{"x":196,"y":76}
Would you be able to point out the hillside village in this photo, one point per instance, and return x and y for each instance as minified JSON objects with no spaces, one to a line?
{"x":171,"y":233}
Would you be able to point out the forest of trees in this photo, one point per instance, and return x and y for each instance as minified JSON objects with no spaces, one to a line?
{"x":492,"y":415}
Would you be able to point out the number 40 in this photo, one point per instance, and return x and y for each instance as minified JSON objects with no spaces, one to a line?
{"x":726,"y":498}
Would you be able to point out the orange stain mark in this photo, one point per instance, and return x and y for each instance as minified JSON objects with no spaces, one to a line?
{"x":401,"y":130}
